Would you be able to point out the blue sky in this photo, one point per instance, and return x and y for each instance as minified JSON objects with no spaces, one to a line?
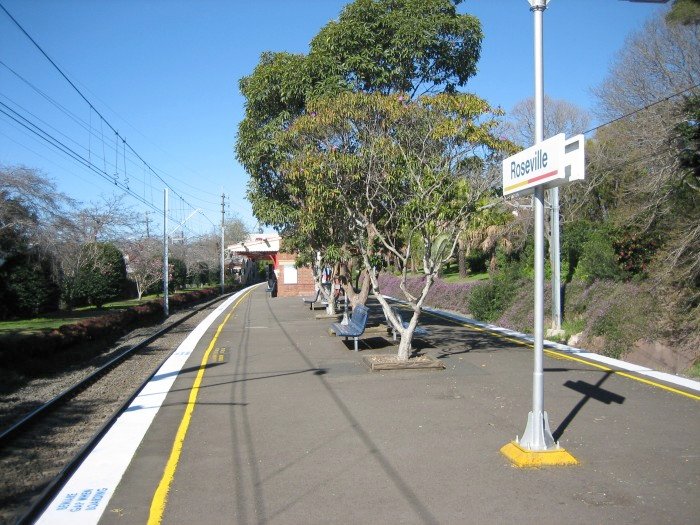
{"x":165,"y":75}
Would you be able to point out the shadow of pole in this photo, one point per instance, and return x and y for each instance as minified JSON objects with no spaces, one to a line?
{"x":589,"y":392}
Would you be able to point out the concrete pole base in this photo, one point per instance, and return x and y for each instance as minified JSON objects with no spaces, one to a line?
{"x":537,"y":436}
{"x":523,"y":458}
{"x":537,"y":447}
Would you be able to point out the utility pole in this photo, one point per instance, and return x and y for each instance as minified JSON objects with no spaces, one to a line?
{"x":223,"y":207}
{"x":148,"y":221}
{"x":166,"y":273}
{"x":555,"y":260}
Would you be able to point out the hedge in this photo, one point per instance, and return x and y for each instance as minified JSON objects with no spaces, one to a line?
{"x":42,"y":352}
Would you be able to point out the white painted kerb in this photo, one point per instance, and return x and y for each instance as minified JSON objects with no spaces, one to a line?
{"x":84,"y":498}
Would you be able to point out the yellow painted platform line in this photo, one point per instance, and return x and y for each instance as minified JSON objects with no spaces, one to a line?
{"x":524,"y":458}
{"x":160,"y":497}
{"x":561,"y":355}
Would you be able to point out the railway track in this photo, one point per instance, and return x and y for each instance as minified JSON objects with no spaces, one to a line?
{"x":40,"y":449}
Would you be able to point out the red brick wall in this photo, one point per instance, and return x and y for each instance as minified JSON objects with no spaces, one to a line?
{"x":305,"y":279}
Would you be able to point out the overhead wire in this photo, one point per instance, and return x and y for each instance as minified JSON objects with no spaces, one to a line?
{"x":92,"y":133}
{"x":64,"y":148}
{"x":88,"y":150}
{"x":638,"y":110}
{"x":93,"y":108}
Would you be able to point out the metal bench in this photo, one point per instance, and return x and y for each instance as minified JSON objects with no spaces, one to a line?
{"x":311,"y":301}
{"x":355,"y":327}
{"x":418,"y":330}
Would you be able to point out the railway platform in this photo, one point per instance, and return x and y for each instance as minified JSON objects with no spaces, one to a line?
{"x":269,"y":419}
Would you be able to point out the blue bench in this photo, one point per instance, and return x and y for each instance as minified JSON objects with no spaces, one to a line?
{"x":355,"y":327}
{"x":311,"y":301}
{"x":418,"y":330}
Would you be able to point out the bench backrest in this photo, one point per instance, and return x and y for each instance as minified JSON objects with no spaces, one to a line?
{"x":359,"y":315}
{"x":397,"y":313}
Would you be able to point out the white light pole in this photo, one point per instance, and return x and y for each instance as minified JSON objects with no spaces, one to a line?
{"x":223,"y":207}
{"x":537,"y":447}
{"x":537,"y":435}
{"x":166,"y":309}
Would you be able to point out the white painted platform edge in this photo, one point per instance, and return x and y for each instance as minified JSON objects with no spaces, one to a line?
{"x":609,"y":361}
{"x":84,"y":497}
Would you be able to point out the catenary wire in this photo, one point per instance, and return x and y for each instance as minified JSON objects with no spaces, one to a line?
{"x":92,"y":107}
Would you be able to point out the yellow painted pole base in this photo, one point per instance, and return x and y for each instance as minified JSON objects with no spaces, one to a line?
{"x":524,"y":458}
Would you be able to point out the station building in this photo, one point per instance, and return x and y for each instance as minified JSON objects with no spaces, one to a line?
{"x":291,"y":281}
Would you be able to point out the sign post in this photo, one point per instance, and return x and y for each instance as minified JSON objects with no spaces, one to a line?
{"x":532,"y":170}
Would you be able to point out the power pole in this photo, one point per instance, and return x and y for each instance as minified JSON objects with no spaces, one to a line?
{"x":166,"y":273}
{"x":148,"y":221}
{"x":223,"y":209}
{"x":555,"y":259}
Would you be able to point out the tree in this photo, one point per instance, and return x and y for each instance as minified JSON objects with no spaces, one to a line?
{"x":235,"y":230}
{"x":392,"y":46}
{"x":375,"y":45}
{"x":30,"y":209}
{"x":382,"y":45}
{"x":640,"y":175}
{"x":560,"y":116}
{"x":100,"y":276}
{"x":144,"y":263}
{"x":27,"y":286}
{"x":684,"y":12}
{"x":178,"y":274}
{"x":659,"y":60}
{"x":402,"y":171}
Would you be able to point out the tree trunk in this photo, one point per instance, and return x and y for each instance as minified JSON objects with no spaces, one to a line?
{"x":405,"y":347}
{"x":360,"y":297}
{"x":462,"y":259}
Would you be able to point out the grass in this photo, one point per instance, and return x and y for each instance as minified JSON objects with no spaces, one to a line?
{"x":58,"y":319}
{"x":455,"y":278}
{"x":450,"y":274}
{"x":694,"y":371}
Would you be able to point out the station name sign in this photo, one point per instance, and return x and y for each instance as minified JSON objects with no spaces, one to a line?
{"x":541,"y":164}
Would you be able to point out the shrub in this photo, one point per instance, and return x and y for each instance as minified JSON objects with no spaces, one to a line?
{"x":598,"y":259}
{"x":619,"y":313}
{"x":28,"y":287}
{"x":38,"y":353}
{"x":447,"y":296}
{"x":574,"y":236}
{"x":100,"y":277}
{"x":488,"y":301}
{"x":178,"y":274}
{"x":635,"y":251}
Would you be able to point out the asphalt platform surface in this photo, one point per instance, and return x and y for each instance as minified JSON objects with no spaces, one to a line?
{"x":290,"y":426}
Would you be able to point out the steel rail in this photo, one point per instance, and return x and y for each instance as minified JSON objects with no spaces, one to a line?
{"x":54,"y":485}
{"x":57,"y":482}
{"x":67,"y":394}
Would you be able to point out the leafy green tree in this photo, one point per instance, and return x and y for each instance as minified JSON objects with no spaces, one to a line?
{"x":178,"y":274}
{"x":403,"y":172}
{"x":384,"y":46}
{"x":27,"y":286}
{"x":686,"y":12}
{"x":389,"y":46}
{"x":375,"y":45}
{"x":100,"y":277}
